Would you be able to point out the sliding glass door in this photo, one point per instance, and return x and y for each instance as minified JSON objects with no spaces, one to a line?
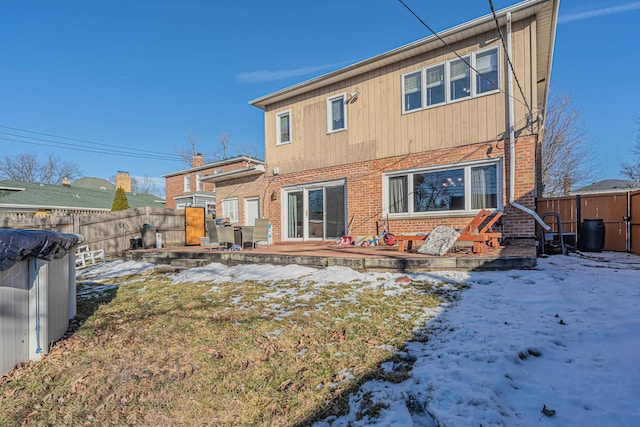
{"x":315,"y":212}
{"x":295,"y":210}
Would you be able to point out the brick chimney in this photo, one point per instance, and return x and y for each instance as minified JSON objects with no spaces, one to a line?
{"x":123,"y":180}
{"x":66,"y":182}
{"x":197,"y":160}
{"x":567,"y":185}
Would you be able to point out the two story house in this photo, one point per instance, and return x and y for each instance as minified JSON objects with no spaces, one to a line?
{"x":427,"y":134}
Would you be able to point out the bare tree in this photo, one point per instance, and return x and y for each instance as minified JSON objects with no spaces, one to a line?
{"x":30,"y":168}
{"x":225,"y":142}
{"x":632,"y":170}
{"x":224,"y":150}
{"x":186,"y":154}
{"x":145,"y":185}
{"x":565,"y":149}
{"x":229,"y":148}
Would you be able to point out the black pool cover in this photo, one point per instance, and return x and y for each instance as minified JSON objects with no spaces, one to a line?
{"x":16,"y":245}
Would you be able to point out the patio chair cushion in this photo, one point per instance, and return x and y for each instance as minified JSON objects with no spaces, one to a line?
{"x":439,"y":241}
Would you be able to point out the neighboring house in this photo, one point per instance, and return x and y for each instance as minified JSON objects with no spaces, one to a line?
{"x":95,"y":183}
{"x":237,"y":183}
{"x":416,"y":136}
{"x":45,"y":199}
{"x":608,"y":186}
{"x":240,"y":191}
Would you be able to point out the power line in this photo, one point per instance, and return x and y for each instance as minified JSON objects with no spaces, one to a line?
{"x":43,"y":143}
{"x":513,"y":70}
{"x":100,"y":149}
{"x":462,"y":58}
{"x":85,"y":141}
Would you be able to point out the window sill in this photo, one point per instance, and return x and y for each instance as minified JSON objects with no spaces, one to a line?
{"x":439,"y":214}
{"x":329,"y":132}
{"x":451,"y":101}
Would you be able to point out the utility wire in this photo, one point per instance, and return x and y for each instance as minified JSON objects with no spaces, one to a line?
{"x":83,"y":140}
{"x":513,"y":70}
{"x":116,"y":151}
{"x":46,"y":143}
{"x":462,"y":58}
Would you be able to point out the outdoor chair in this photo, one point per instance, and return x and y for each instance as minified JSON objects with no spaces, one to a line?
{"x":85,"y":257}
{"x":247,"y":236}
{"x":481,"y":238}
{"x":260,"y":231}
{"x":222,"y":235}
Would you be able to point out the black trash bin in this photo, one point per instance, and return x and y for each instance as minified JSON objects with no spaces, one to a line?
{"x":592,"y":235}
{"x":136,"y":243}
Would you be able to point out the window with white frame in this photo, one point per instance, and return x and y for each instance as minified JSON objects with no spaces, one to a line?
{"x":336,"y":113}
{"x":230,"y":210}
{"x":487,"y":75}
{"x":198,"y":182}
{"x":454,"y":188}
{"x":474,"y":75}
{"x":459,"y":78}
{"x":283,"y":127}
{"x":412,"y":89}
{"x":436,"y":91}
{"x":187,"y":183}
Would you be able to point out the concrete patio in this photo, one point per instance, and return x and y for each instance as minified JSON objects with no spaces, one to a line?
{"x":374,"y":258}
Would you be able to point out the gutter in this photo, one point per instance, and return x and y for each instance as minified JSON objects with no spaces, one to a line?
{"x":512,"y":139}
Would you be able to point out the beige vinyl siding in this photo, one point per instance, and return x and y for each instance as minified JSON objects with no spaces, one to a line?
{"x":376,"y":126}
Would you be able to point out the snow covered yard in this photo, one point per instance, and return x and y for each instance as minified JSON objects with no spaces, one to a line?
{"x":500,"y":348}
{"x":565,"y":336}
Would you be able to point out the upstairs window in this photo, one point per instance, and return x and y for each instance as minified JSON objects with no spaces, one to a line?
{"x":487,"y":66}
{"x":435,"y":85}
{"x":475,"y":75}
{"x":460,"y":79}
{"x":198,"y":182}
{"x":283,"y":127}
{"x":187,"y":183}
{"x":412,"y":89}
{"x":336,"y":113}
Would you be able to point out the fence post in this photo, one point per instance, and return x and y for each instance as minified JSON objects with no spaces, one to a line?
{"x":578,"y":219}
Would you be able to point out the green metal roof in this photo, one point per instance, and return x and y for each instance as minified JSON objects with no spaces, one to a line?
{"x":95,"y":183}
{"x":16,"y":194}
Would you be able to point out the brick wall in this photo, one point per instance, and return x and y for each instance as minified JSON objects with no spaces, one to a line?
{"x":242,"y":188}
{"x":364,"y":188}
{"x":175,"y":185}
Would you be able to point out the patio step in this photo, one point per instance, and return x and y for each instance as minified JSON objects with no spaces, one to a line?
{"x":189,"y":262}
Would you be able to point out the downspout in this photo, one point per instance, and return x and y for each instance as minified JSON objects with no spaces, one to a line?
{"x":512,"y":138}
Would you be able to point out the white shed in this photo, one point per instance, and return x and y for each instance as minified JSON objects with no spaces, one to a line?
{"x":37,"y":292}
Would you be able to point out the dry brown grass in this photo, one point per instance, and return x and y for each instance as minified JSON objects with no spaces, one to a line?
{"x":152,"y":352}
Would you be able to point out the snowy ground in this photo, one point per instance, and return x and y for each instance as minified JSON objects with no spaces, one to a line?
{"x":565,"y":336}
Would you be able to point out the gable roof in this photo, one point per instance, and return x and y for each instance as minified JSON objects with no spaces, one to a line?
{"x":216,"y":164}
{"x":30,"y":196}
{"x":546,"y":29}
{"x":608,"y":186}
{"x":95,"y":183}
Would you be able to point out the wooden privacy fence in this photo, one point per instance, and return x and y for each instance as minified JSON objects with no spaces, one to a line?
{"x":634,"y":221}
{"x":110,"y":231}
{"x":620,"y":213}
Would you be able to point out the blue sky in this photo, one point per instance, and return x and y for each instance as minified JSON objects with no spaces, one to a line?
{"x":145,"y":75}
